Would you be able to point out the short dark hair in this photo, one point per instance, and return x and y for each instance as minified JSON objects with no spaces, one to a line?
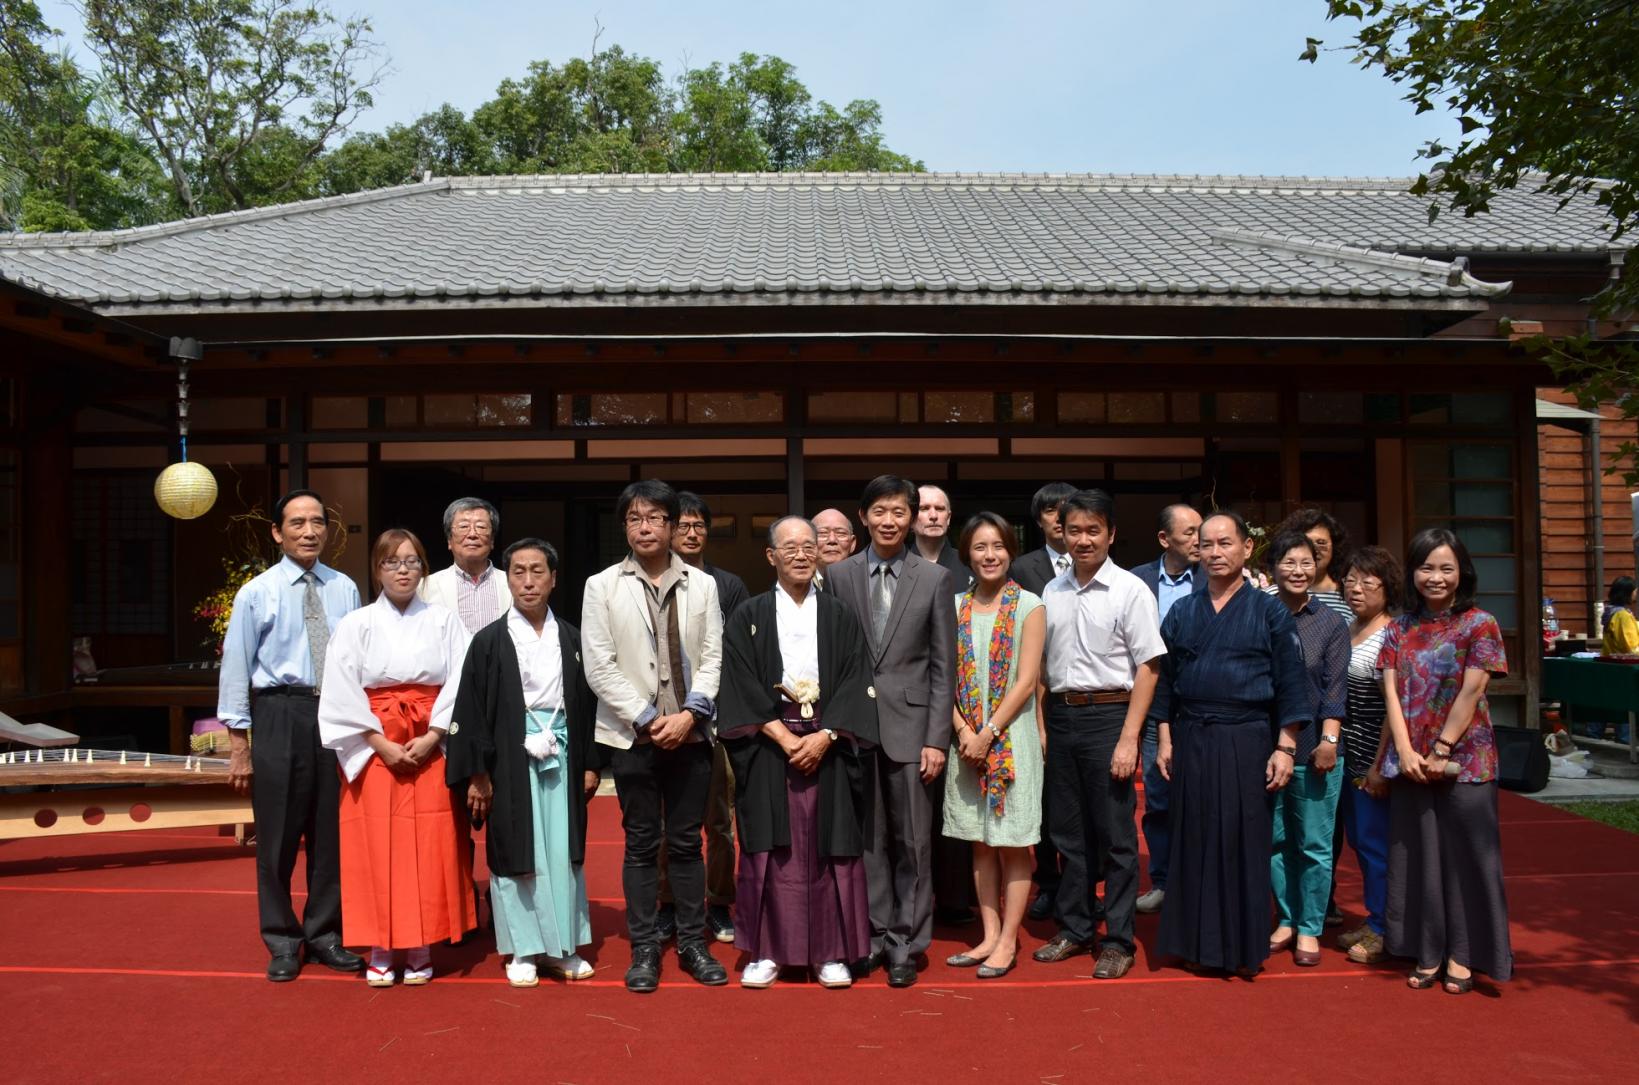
{"x":652,"y":491}
{"x":1621,"y":593}
{"x":1306,"y":520}
{"x":530,"y":543}
{"x":279,"y":506}
{"x":691,"y":502}
{"x":1378,"y":562}
{"x":1423,"y":544}
{"x":1094,"y":502}
{"x":1164,"y":521}
{"x":1242,"y":532}
{"x":890,"y":486}
{"x":1284,"y":543}
{"x":1049,"y":496}
{"x":1010,"y":538}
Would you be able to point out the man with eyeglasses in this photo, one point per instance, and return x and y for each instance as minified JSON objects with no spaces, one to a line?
{"x":836,"y":541}
{"x":689,"y":543}
{"x":272,"y":661}
{"x":472,"y":588}
{"x":799,"y":717}
{"x":652,"y":632}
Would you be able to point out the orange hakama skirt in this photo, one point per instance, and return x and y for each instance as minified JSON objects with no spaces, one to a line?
{"x":406,"y":874}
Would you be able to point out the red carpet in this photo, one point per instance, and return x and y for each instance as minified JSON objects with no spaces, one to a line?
{"x":134,"y":957}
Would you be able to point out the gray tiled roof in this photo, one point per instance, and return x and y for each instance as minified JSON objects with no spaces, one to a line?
{"x":809,"y":238}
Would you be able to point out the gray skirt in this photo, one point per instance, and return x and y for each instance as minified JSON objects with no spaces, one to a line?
{"x":1446,"y":895}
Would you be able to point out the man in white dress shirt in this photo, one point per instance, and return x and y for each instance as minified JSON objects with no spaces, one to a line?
{"x":1103,"y":656}
{"x":471,"y":588}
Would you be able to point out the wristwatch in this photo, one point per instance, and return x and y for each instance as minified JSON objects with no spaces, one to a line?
{"x":991,"y":727}
{"x":1329,"y":738}
{"x":699,"y":716}
{"x":830,"y":734}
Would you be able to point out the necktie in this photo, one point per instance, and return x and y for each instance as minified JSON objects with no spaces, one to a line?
{"x":318,"y":628}
{"x":881,"y":601}
{"x":1061,"y":563}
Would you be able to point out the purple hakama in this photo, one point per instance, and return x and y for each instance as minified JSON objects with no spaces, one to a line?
{"x":792,"y":906}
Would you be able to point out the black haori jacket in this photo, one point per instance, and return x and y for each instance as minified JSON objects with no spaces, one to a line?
{"x":752,"y":668}
{"x":487,"y":735}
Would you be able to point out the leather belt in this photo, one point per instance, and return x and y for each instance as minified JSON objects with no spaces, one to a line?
{"x":1080,"y":697}
{"x":285,"y":691}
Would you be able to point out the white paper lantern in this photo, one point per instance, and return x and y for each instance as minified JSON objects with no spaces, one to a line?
{"x":185,"y":490}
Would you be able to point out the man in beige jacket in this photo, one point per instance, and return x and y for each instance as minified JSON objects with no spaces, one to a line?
{"x":652,"y":632}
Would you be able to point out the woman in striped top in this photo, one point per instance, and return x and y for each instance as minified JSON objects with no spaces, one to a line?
{"x":1371,"y":579}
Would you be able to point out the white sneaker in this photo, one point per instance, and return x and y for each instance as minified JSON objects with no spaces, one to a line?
{"x":835,"y":974}
{"x":1150,"y":902}
{"x":572,"y":967}
{"x":521,"y":973}
{"x":760,"y":974}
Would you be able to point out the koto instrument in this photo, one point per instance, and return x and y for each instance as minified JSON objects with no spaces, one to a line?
{"x":101,"y":791}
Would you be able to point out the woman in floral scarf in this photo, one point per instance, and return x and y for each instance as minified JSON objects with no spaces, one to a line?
{"x":993,"y":797}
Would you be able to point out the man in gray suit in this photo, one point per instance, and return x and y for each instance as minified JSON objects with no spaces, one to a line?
{"x":908,"y":612}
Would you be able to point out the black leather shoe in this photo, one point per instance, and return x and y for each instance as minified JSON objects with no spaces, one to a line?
{"x":864,"y":966}
{"x":336,"y":958}
{"x":1042,"y":906}
{"x":284,"y":968}
{"x":665,"y":923}
{"x":1060,"y":948}
{"x":901,"y":974}
{"x":701,"y":964}
{"x":644,"y":974}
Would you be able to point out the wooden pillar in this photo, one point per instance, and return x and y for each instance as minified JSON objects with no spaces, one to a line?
{"x":296,"y":433}
{"x":794,"y":482}
{"x":1528,"y":524}
{"x":46,"y":485}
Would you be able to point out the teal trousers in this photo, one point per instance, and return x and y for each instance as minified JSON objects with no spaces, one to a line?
{"x":1300,"y":867}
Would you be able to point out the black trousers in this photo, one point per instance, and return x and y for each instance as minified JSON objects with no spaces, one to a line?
{"x":1092,"y":822}
{"x":663,"y":797}
{"x":295,"y":793}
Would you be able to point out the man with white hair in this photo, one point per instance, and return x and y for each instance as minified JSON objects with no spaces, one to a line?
{"x":472,"y":588}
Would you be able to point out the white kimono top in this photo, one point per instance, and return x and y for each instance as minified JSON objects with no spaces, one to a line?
{"x":377,"y":646}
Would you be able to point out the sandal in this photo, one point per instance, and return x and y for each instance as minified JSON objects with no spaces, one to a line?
{"x":1419,"y":980}
{"x":1459,"y":985}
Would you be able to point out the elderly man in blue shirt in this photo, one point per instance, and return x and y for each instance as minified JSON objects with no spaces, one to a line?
{"x":272,"y":660}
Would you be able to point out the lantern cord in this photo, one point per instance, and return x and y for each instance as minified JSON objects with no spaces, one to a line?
{"x":184,"y":449}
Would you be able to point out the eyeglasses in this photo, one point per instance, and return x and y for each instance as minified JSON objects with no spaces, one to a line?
{"x":1364,"y":583}
{"x":409,"y":564}
{"x":468,"y":527}
{"x":806,"y":550}
{"x":688,"y":527}
{"x":653,"y":519}
{"x":1296,"y":566}
{"x":835,"y":533}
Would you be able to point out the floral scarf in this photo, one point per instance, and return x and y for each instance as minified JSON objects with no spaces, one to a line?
{"x":999,"y":772}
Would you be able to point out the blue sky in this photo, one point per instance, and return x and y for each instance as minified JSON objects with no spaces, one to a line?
{"x":1169,"y":86}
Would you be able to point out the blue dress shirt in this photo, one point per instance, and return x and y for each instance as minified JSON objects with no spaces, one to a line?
{"x":1169,"y":589}
{"x":266,"y":643}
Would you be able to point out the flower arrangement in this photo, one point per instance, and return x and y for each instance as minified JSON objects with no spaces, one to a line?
{"x":217,"y":607}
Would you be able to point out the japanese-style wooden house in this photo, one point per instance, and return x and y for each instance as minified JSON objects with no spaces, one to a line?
{"x":769,"y":341}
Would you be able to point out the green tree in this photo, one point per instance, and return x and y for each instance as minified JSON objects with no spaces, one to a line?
{"x":1544,"y":96}
{"x":237,"y":99}
{"x":444,"y":142}
{"x":606,"y":114}
{"x":65,"y":163}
